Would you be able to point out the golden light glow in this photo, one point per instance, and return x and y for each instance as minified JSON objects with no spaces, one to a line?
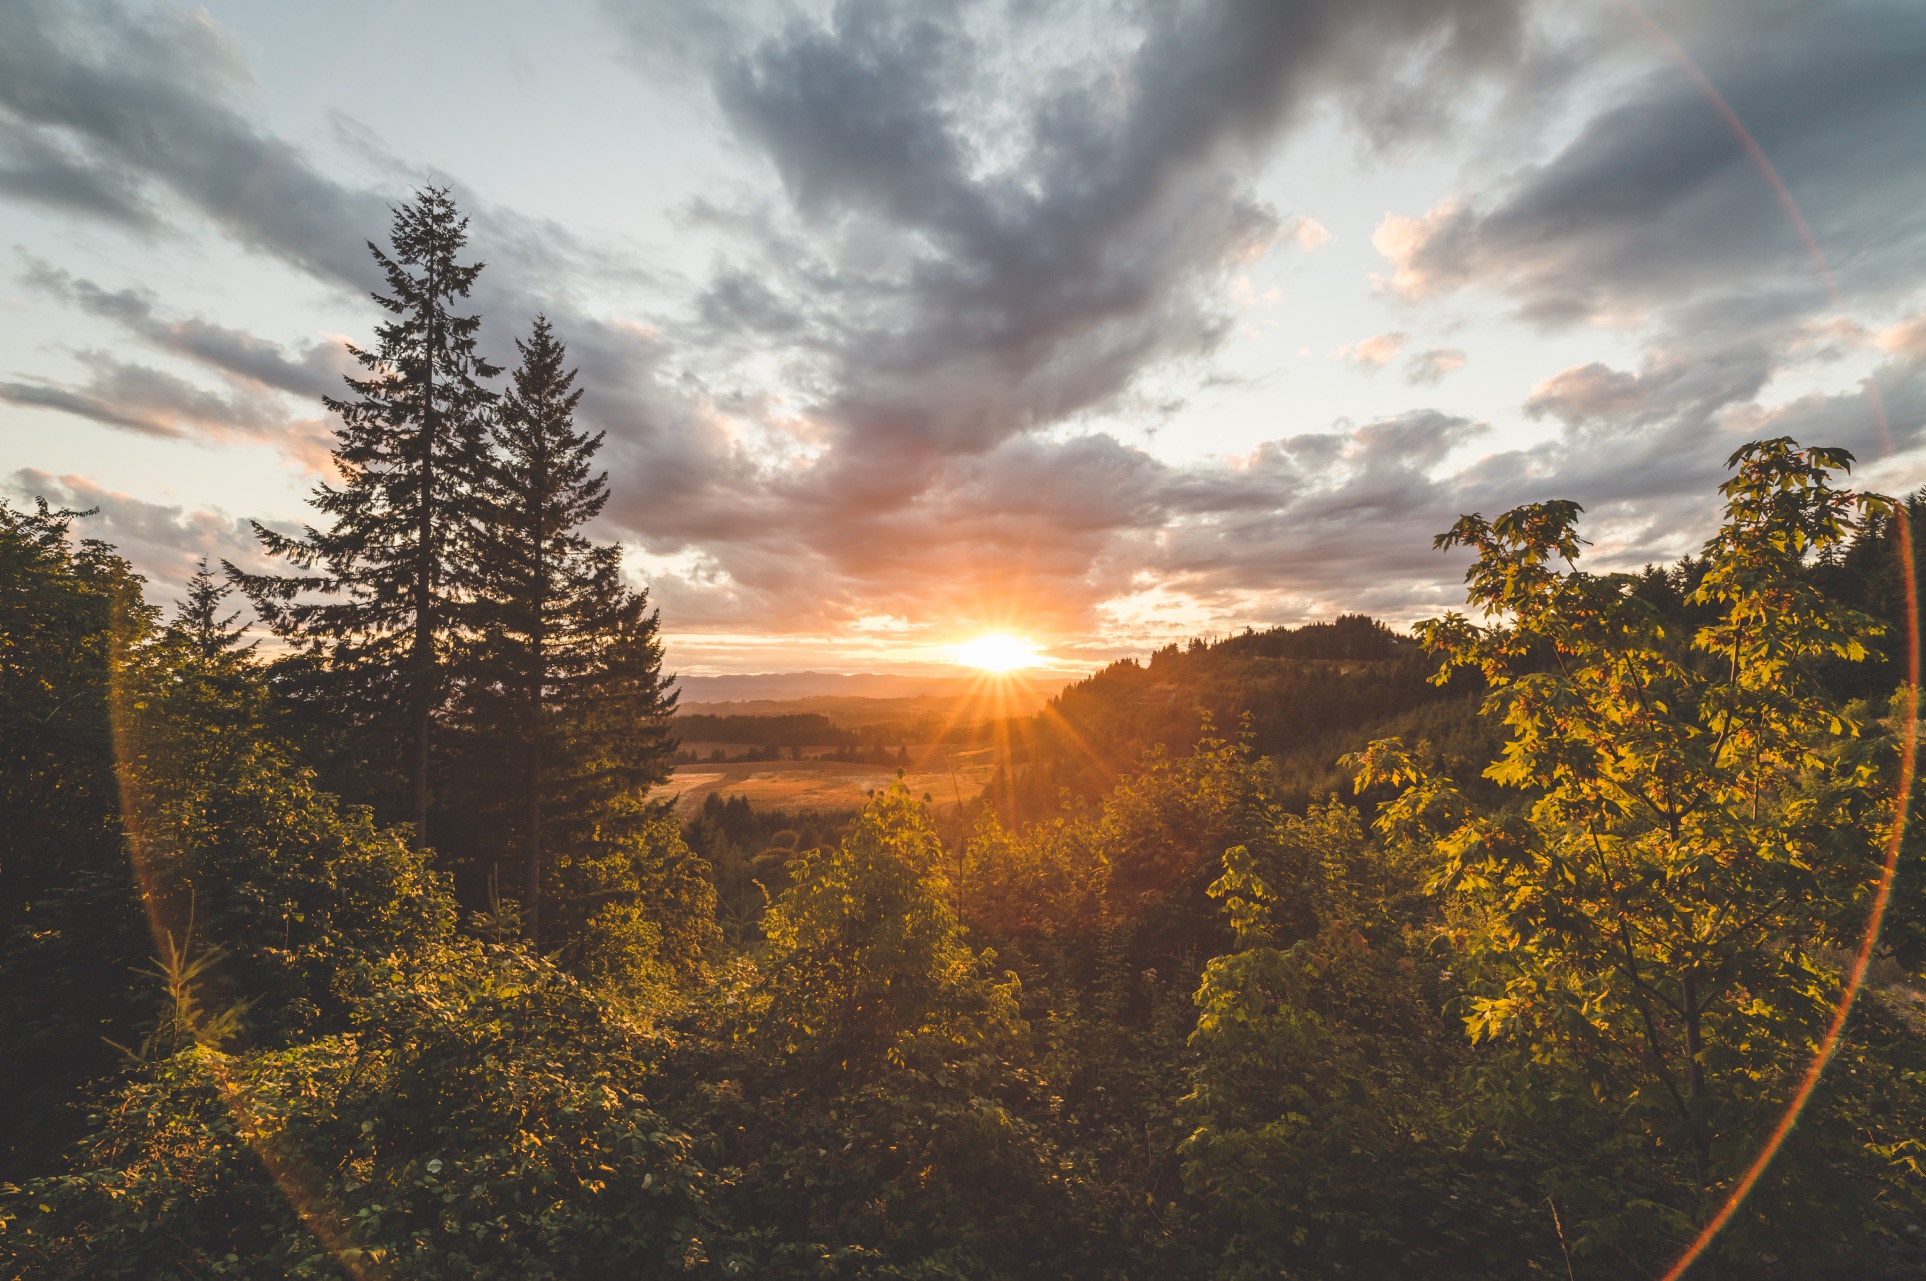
{"x":996,"y":652}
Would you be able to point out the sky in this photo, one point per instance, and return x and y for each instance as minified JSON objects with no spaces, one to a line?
{"x":1096,"y":325}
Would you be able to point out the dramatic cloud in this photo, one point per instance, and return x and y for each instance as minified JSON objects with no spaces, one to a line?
{"x":976,"y":247}
{"x":949,"y":293}
{"x":1048,"y":531}
{"x":1657,"y":200}
{"x":1657,"y":220}
{"x":976,"y":268}
{"x":964,"y":287}
{"x":113,"y":108}
{"x":315,"y":373}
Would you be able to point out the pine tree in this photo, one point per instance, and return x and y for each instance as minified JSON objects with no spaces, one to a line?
{"x":198,"y":618}
{"x":374,"y":625}
{"x":568,"y":666}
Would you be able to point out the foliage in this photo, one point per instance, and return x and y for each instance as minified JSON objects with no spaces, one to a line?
{"x":867,"y":945}
{"x":70,"y":919}
{"x":874,"y":1092}
{"x":1302,"y":695}
{"x":638,"y":912}
{"x":201,"y":623}
{"x":232,"y":842}
{"x":1660,"y":929}
{"x":484,"y":1117}
{"x":1325,"y":1134}
{"x":796,"y":729}
{"x":750,"y":853}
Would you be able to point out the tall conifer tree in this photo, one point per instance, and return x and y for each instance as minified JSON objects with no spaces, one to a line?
{"x":568,"y":666}
{"x":374,"y":624}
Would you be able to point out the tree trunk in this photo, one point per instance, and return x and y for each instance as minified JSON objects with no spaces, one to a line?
{"x":421,"y":696}
{"x":418,"y":769}
{"x":1695,"y":1068}
{"x":537,"y":674}
{"x":532,"y":884}
{"x":422,"y":660}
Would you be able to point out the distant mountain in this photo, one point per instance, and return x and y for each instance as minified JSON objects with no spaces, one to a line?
{"x":783,"y":687}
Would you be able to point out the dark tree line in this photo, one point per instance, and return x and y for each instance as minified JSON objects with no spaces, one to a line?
{"x":451,"y":605}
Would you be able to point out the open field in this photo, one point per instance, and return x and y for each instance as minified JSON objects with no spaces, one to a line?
{"x":989,"y":703}
{"x":794,"y":687}
{"x":825,"y":785}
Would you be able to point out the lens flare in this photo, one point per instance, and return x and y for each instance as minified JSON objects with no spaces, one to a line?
{"x":1855,"y":976}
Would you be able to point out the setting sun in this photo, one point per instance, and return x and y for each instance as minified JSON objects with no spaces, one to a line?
{"x":997,"y":652}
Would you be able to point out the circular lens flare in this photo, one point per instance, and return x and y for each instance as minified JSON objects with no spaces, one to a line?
{"x":996,"y":652}
{"x":1854,"y":978}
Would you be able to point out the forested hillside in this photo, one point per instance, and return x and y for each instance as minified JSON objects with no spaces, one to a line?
{"x":1300,"y":697}
{"x":366,"y":955}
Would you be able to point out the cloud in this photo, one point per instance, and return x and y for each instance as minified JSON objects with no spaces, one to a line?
{"x":1424,"y":252}
{"x":1427,"y":368}
{"x":1310,"y":525}
{"x":1309,"y":233}
{"x":1656,"y":199}
{"x":950,"y":297}
{"x":1063,"y":533}
{"x":315,"y":372}
{"x":1907,"y":338}
{"x":153,"y":402}
{"x":164,"y":543}
{"x":1689,"y":384}
{"x":1376,"y":352}
{"x":140,"y":102}
{"x":37,"y":168}
{"x":118,"y":107}
{"x":971,"y":287}
{"x":975,"y":244}
{"x":1653,"y":220}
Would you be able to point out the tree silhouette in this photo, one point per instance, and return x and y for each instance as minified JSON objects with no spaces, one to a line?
{"x":374,"y":625}
{"x":566,"y":668}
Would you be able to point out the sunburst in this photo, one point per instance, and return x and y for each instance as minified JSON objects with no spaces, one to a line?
{"x":996,"y":652}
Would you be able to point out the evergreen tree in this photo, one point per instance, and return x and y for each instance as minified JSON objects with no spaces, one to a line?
{"x":374,"y":625}
{"x":198,"y":619}
{"x":568,"y":667}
